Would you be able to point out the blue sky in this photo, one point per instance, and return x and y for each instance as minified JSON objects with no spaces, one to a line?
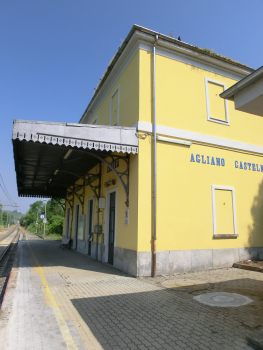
{"x":54,"y":52}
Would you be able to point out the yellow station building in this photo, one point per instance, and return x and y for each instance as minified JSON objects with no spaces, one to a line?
{"x":158,"y":162}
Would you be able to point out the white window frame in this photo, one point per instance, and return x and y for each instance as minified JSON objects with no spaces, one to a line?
{"x":117,"y":89}
{"x":106,"y":240}
{"x":95,"y":121}
{"x":209,"y":117}
{"x":225,"y":188}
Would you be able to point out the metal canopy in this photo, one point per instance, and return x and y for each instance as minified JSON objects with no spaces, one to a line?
{"x":51,"y":157}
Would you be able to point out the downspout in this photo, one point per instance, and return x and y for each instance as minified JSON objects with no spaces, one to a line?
{"x":98,"y":217}
{"x":154,"y":161}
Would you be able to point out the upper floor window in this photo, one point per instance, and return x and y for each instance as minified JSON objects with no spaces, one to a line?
{"x":95,"y":121}
{"x":216,"y":107}
{"x":114,"y":107}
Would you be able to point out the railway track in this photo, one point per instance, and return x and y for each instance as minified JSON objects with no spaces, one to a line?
{"x":6,"y":241}
{"x":8,"y":244}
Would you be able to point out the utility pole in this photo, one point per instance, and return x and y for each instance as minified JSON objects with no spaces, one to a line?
{"x":7,"y":220}
{"x":45,"y":202}
{"x":37,"y":221}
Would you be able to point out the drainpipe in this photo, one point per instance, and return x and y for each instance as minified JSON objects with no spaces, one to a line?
{"x":97,"y":235}
{"x":154,"y":161}
{"x":98,"y":217}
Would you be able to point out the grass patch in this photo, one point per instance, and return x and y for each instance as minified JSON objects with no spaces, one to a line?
{"x":50,"y":236}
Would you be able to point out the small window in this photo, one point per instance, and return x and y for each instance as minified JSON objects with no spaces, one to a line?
{"x":114,"y":108}
{"x":216,"y":107}
{"x":95,"y":121}
{"x":224,"y":212}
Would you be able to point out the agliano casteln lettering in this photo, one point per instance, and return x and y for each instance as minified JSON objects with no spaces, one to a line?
{"x":248,"y":166}
{"x":207,"y":160}
{"x":198,"y":158}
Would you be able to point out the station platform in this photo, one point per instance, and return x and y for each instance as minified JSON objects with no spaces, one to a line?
{"x":61,"y":299}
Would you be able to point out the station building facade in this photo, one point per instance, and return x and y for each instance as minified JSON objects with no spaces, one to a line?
{"x":209,"y":180}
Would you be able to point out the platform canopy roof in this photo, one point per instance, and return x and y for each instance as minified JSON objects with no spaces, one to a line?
{"x":50,"y":157}
{"x":247,"y":93}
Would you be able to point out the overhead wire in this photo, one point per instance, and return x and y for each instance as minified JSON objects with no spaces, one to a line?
{"x":6,"y":190}
{"x":7,"y":196}
{"x":13,"y":204}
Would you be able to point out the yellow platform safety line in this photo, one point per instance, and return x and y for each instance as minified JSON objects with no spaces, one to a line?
{"x":59,"y":317}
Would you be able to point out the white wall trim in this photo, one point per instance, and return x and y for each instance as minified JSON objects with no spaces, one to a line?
{"x":209,"y":117}
{"x":225,"y":188}
{"x":106,"y":241}
{"x":114,"y":92}
{"x":168,"y":139}
{"x":199,"y":138}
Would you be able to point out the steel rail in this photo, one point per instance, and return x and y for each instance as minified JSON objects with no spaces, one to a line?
{"x":9,"y":245}
{"x":7,"y":234}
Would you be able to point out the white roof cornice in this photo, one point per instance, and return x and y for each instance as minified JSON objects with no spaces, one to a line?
{"x":86,"y":136}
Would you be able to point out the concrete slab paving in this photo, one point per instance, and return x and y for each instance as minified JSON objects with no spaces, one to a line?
{"x":98,"y":307}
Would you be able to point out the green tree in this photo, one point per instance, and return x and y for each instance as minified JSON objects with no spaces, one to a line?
{"x":32,"y":216}
{"x":54,"y":215}
{"x":5,"y":217}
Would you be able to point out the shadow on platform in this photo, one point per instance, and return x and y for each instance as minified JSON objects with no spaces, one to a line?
{"x":168,"y":317}
{"x":49,"y":254}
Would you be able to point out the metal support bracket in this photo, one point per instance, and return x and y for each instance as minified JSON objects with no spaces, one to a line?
{"x":123,"y":176}
{"x":70,"y":200}
{"x":80,"y":193}
{"x":62,"y":202}
{"x":89,"y":181}
{"x":70,"y":197}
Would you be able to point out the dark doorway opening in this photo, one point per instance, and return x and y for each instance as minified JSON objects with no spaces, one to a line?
{"x":77,"y":225}
{"x":90,"y":221}
{"x":112,"y":227}
{"x":67,"y":226}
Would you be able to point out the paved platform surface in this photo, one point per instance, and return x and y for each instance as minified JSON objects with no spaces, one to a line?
{"x":61,"y":299}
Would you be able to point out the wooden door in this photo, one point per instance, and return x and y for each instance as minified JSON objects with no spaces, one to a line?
{"x":111,"y":227}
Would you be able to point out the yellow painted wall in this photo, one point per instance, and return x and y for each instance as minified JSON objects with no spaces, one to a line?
{"x":181,"y":101}
{"x":145,"y":194}
{"x":126,"y":235}
{"x":129,"y":97}
{"x":184,"y":200}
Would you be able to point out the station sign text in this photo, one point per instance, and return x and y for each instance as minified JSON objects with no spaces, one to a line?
{"x":199,"y":158}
